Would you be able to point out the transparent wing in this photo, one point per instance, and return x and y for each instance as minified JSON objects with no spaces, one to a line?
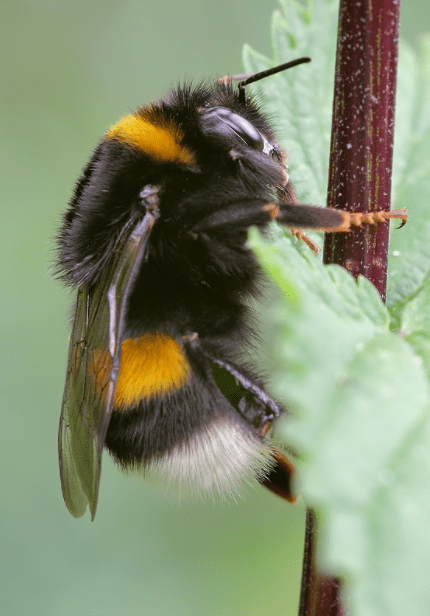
{"x":92,"y":371}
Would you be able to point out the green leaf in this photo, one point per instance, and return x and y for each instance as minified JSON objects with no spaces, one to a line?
{"x":356,"y":383}
{"x":409,"y":256}
{"x":313,"y":339}
{"x":361,"y":400}
{"x":401,"y":533}
{"x":300,"y":100}
{"x":414,"y":322}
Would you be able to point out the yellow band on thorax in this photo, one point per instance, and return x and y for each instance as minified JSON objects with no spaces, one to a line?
{"x":157,"y":138}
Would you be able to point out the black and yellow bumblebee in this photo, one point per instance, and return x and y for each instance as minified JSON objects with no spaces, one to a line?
{"x":154,"y":240}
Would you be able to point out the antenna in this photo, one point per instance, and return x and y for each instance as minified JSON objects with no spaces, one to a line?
{"x":263,"y":74}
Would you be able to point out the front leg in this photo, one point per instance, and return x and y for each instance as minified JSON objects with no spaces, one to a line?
{"x":240,"y":216}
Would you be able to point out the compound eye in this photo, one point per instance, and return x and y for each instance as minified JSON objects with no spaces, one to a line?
{"x":224,"y":121}
{"x":244,"y":129}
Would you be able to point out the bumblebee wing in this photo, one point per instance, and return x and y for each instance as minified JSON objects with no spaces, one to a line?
{"x":74,"y":467}
{"x":93,"y":365}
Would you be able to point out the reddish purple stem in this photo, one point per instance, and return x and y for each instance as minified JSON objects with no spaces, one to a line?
{"x":362,"y":132}
{"x":320,"y":594}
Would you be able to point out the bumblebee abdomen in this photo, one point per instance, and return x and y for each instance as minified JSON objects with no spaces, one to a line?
{"x":192,"y":437}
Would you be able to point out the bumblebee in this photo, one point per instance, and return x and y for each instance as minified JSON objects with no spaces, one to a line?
{"x":154,"y":240}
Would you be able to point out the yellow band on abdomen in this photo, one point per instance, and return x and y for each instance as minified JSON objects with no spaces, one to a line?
{"x":152,"y":364}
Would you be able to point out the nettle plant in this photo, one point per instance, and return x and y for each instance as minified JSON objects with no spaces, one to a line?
{"x":353,"y":369}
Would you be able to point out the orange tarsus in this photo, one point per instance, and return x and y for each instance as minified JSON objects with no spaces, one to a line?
{"x":356,"y":219}
{"x":373,"y":218}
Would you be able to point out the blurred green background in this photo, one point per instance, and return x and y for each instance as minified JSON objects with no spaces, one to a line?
{"x":69,"y":70}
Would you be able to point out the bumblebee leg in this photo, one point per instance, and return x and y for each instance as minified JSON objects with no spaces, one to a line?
{"x":328,"y":219}
{"x":258,"y":409}
{"x":255,"y":406}
{"x":302,"y":237}
{"x":246,"y":213}
{"x":253,"y":212}
{"x":249,"y":399}
{"x":246,"y":396}
{"x":279,"y":478}
{"x":258,"y":213}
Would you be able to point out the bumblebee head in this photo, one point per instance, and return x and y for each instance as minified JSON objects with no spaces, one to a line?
{"x":197,"y":127}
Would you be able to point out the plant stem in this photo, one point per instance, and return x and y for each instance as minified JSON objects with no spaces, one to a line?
{"x":359,"y":181}
{"x":319,"y":594}
{"x":363,"y":131}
